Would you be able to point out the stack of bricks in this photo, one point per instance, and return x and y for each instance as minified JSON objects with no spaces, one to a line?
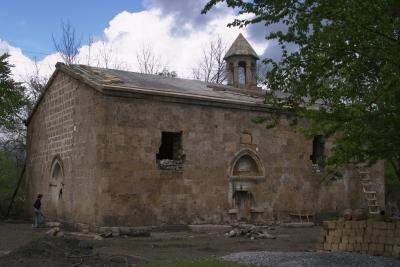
{"x":371,"y":237}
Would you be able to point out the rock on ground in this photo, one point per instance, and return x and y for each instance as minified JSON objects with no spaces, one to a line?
{"x":305,"y":259}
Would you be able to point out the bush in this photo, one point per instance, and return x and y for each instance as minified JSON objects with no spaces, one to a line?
{"x":392,"y":188}
{"x":10,"y":170}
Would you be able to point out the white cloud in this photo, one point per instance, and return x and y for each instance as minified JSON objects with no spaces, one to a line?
{"x":23,"y":65}
{"x":128,"y":32}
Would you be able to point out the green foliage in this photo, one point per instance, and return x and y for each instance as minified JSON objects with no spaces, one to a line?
{"x":12,"y":99}
{"x":392,"y":186}
{"x":9,"y":174}
{"x":347,"y":63}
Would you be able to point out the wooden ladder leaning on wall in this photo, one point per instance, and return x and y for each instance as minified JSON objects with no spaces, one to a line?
{"x":369,"y":191}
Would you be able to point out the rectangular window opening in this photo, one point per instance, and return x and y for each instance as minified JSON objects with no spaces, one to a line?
{"x":318,"y":150}
{"x":170,"y":155}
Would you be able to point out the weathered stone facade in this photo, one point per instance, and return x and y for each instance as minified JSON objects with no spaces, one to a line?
{"x":95,"y":136}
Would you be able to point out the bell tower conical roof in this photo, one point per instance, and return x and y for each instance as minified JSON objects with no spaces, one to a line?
{"x":241,"y":47}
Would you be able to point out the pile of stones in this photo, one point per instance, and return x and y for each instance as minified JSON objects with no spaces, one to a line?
{"x":55,"y":231}
{"x":250,"y":231}
{"x":170,"y":164}
{"x":107,"y":232}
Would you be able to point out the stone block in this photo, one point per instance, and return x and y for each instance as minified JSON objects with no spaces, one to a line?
{"x":379,"y":225}
{"x":327,"y":246}
{"x":334,"y":247}
{"x":396,"y":251}
{"x":377,"y":231}
{"x":246,"y":138}
{"x":336,"y":239}
{"x":339,"y":225}
{"x":370,"y":223}
{"x":390,"y":240}
{"x":371,"y":248}
{"x":362,"y":224}
{"x":329,"y":225}
{"x":342,"y":247}
{"x":339,"y":232}
{"x":348,"y":224}
{"x":379,"y":249}
{"x":389,"y":232}
{"x":388,"y":249}
{"x":82,"y":227}
{"x":357,"y":247}
{"x":366,"y":238}
{"x":347,"y":231}
{"x":364,"y":247}
{"x":350,"y":247}
{"x":139,"y":232}
{"x":382,"y":239}
{"x":369,"y":229}
{"x":329,"y":239}
{"x":390,"y":225}
{"x":397,"y":232}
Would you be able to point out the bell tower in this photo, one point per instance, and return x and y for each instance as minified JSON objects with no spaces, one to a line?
{"x":241,"y":68}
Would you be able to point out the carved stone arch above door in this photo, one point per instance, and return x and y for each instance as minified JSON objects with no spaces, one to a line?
{"x":245,"y":172}
{"x":246,"y":164}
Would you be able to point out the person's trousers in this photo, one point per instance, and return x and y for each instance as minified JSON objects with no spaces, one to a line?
{"x":38,"y":217}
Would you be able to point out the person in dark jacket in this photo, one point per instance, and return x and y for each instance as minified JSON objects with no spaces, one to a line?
{"x":37,"y":211}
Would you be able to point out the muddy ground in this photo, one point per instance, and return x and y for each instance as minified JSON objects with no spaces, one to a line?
{"x":20,"y":245}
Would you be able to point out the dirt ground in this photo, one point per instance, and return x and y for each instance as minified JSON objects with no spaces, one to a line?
{"x":20,"y":245}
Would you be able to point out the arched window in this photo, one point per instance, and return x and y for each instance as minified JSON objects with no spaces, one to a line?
{"x":246,"y":164}
{"x":57,"y":176}
{"x":56,"y":169}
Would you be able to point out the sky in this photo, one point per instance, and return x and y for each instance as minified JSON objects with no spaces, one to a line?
{"x":175,"y":31}
{"x":29,"y":24}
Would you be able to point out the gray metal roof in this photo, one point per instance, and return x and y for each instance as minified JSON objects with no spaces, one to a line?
{"x":155,"y":83}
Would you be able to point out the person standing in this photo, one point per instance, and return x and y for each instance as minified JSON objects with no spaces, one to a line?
{"x":37,"y":211}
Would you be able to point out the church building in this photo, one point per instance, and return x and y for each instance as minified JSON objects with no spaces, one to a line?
{"x":115,"y":148}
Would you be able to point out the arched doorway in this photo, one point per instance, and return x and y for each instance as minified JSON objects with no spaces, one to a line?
{"x":246,"y":171}
{"x":56,"y":185}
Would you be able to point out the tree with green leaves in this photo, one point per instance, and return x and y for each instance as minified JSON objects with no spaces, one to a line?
{"x":346,"y":63}
{"x":12,"y":132}
{"x":12,"y":98}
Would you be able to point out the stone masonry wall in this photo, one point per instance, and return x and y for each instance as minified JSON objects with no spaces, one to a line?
{"x":140,"y":193}
{"x":367,"y":236}
{"x":108,"y":146}
{"x":62,"y":128}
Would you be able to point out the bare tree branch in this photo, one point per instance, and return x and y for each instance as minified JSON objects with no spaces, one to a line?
{"x":67,"y":46}
{"x":148,"y":61}
{"x":211,"y":67}
{"x":105,"y":55}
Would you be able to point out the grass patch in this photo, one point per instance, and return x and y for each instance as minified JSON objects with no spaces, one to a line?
{"x":195,"y":263}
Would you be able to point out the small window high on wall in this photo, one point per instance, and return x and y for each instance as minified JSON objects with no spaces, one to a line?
{"x":318,"y":150}
{"x":170,"y":154}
